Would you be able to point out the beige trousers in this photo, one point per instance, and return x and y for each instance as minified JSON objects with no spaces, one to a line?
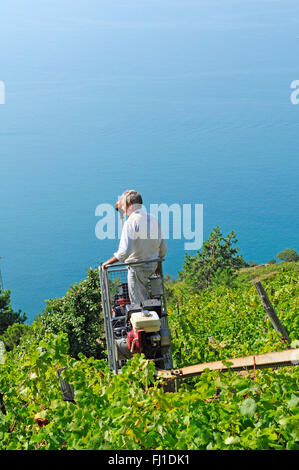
{"x":138,"y":281}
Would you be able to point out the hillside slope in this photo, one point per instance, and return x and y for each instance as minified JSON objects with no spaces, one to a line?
{"x":132,"y":411}
{"x":224,"y":322}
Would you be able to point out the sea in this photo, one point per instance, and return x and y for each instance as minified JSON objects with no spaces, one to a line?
{"x":190,"y":102}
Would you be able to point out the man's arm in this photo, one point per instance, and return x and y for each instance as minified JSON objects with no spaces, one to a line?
{"x":124,"y":246}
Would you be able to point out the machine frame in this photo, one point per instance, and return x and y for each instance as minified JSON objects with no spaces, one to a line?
{"x":120,"y":270}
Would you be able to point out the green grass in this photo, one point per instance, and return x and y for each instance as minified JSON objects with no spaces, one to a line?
{"x":262,"y":271}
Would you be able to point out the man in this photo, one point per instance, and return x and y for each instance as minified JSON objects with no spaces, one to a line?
{"x":141,"y":239}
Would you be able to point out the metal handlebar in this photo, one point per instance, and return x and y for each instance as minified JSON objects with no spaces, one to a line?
{"x":133,"y":263}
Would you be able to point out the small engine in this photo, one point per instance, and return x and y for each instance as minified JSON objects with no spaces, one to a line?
{"x":139,"y":328}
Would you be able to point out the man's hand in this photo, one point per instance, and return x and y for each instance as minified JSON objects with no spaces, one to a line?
{"x":104,"y":265}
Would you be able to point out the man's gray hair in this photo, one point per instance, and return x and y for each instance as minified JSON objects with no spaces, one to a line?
{"x":131,"y":197}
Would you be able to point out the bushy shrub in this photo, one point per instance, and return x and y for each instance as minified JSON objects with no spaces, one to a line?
{"x":217,"y":254}
{"x":78,"y":314}
{"x":288,"y":255}
{"x":7,"y":315}
{"x":12,"y":336}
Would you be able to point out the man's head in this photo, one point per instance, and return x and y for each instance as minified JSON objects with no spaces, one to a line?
{"x":130,"y":200}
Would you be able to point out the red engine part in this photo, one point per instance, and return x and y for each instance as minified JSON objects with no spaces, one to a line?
{"x":123,"y":301}
{"x":134,"y":341}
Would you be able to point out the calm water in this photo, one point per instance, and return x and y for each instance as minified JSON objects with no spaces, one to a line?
{"x":186,"y":101}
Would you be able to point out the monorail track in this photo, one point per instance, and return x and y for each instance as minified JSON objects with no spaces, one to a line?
{"x":288,"y":357}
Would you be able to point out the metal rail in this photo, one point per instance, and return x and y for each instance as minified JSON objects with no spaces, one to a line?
{"x":114,"y":364}
{"x":133,"y":263}
{"x":107,"y":317}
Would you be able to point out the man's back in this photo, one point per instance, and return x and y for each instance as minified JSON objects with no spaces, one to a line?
{"x":141,"y":238}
